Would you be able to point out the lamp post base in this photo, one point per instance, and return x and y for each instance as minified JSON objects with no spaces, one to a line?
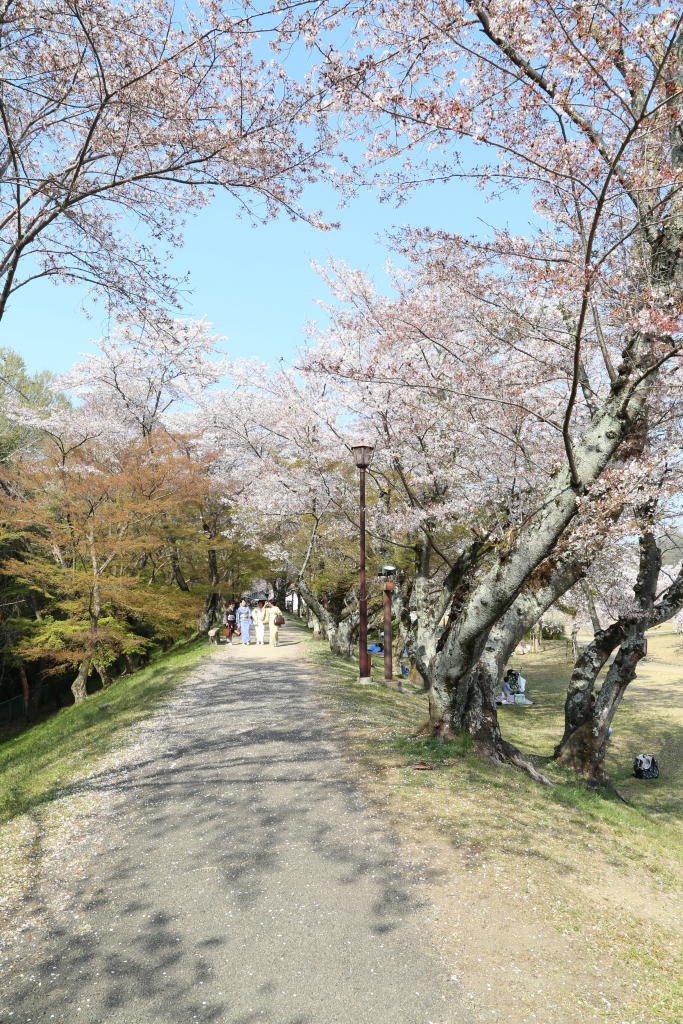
{"x":393,"y":684}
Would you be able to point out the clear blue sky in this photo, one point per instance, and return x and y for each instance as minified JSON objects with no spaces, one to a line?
{"x":256,"y":283}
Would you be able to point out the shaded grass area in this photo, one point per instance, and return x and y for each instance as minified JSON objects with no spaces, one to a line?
{"x":41,"y":760}
{"x":585,"y":892}
{"x":46,"y":800}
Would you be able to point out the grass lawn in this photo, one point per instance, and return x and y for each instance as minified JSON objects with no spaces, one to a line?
{"x":549,"y":904}
{"x":51,"y":772}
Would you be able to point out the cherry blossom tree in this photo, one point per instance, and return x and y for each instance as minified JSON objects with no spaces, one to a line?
{"x":148,"y":371}
{"x":579,"y":107}
{"x":119,"y":119}
{"x":295,"y":485}
{"x":466,"y":361}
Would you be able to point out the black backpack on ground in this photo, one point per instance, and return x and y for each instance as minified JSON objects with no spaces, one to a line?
{"x":645,"y":767}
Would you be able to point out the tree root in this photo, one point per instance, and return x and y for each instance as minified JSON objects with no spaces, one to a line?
{"x":497,"y":754}
{"x":514,"y":756}
{"x":595,"y":784}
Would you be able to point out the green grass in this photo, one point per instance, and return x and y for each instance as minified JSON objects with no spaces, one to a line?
{"x":44,"y":768}
{"x":600,"y":881}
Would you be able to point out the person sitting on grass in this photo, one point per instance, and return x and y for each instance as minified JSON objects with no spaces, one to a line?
{"x":513,"y":682}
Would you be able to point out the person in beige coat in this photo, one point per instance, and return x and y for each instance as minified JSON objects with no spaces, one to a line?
{"x":273,"y":613}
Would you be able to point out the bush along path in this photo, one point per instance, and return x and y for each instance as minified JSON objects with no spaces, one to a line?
{"x":240,"y":878}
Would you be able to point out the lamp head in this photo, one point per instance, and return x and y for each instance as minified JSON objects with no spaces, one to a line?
{"x":363,"y":453}
{"x":386,"y":570}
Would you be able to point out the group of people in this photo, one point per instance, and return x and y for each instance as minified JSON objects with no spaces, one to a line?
{"x":238,"y":619}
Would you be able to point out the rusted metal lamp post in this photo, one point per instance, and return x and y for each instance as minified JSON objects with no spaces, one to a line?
{"x":388,"y":587}
{"x":388,"y":668}
{"x":363,"y":453}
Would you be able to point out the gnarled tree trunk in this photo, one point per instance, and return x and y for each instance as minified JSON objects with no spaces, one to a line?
{"x":205,"y":620}
{"x":480,"y":687}
{"x":175,"y":567}
{"x":105,"y":675}
{"x":587,"y":729}
{"x":131,"y":667}
{"x":584,"y":748}
{"x":589,"y":664}
{"x":495,"y":592}
{"x":340,"y":631}
{"x":79,"y":685}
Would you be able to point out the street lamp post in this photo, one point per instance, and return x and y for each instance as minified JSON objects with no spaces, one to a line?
{"x":384,"y":573}
{"x":388,"y":667}
{"x":363,"y":453}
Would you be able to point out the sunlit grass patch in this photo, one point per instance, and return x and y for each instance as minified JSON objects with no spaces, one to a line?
{"x":583,"y":892}
{"x":430,"y":750}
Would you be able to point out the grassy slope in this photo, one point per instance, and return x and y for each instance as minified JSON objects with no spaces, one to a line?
{"x":45,"y":766}
{"x":551,"y":903}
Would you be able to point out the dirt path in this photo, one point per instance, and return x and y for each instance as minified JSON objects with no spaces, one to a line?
{"x":241,"y":880}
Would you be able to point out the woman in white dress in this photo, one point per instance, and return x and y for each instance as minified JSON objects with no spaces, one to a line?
{"x":259,"y":618}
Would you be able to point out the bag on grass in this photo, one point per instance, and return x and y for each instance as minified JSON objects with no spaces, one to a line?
{"x":519,"y":698}
{"x":645,"y":767}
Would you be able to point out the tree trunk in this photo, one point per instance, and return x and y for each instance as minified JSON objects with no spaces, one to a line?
{"x":342,"y":643}
{"x":214,"y":578}
{"x":584,"y":749}
{"x":131,"y":667}
{"x":25,"y":691}
{"x":587,"y":729}
{"x":339,"y":631}
{"x":280,"y":592}
{"x":34,"y":604}
{"x":105,"y":675}
{"x":577,"y":706}
{"x":79,"y":685}
{"x":497,"y":589}
{"x":28,"y":706}
{"x":592,"y":611}
{"x":315,"y":624}
{"x":475,"y":700}
{"x":205,"y":620}
{"x":175,"y":567}
{"x":34,"y":699}
{"x":425,"y":626}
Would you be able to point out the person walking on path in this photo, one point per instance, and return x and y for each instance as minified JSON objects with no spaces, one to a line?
{"x":244,"y":620}
{"x":273,"y":614}
{"x":230,"y":620}
{"x":259,"y":618}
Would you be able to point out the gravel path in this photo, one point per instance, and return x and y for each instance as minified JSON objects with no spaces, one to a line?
{"x":241,"y":881}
